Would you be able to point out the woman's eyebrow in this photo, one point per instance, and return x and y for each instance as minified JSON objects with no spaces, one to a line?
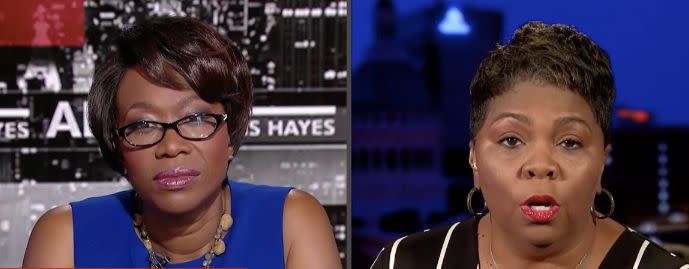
{"x":187,"y":100}
{"x":139,"y":105}
{"x":562,"y":121}
{"x":516,"y":116}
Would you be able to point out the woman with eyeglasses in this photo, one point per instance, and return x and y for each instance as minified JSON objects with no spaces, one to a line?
{"x":169,"y":109}
{"x":540,"y":124}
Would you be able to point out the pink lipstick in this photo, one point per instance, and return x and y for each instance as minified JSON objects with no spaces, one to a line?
{"x":540,"y":208}
{"x":176,"y":179}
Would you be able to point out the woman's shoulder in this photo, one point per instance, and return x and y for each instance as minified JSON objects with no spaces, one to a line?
{"x":308,"y":234}
{"x":634,"y":249}
{"x":288,"y":213}
{"x":429,"y":248}
{"x":56,"y":233}
{"x":50,"y":243}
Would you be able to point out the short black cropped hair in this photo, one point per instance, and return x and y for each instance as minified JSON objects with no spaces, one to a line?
{"x":177,"y":53}
{"x":556,"y":54}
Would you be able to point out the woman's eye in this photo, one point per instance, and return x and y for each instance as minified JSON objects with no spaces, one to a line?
{"x":192,"y":118}
{"x":197,"y":119}
{"x":510,"y":142}
{"x":571,"y":144}
{"x":140,"y":128}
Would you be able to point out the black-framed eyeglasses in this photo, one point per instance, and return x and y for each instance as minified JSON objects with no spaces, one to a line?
{"x":195,"y":127}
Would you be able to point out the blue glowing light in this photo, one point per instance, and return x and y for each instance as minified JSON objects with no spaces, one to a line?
{"x":453,"y":23}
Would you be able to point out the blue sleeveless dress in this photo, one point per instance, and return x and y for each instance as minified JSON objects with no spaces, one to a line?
{"x":104,"y":235}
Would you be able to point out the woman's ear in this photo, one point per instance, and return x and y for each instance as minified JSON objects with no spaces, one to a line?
{"x":608,"y":149}
{"x":472,"y":161}
{"x":472,"y":157}
{"x":606,"y":156}
{"x":473,"y":165}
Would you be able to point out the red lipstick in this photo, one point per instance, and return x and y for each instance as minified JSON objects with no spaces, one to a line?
{"x":540,"y":208}
{"x":176,"y":179}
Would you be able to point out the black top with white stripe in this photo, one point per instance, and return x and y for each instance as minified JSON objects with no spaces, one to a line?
{"x":439,"y":248}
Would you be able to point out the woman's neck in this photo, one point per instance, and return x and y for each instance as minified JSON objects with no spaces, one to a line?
{"x":510,"y":249}
{"x":185,"y":237}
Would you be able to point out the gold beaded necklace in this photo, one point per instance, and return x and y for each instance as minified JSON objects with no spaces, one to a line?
{"x":157,"y":259}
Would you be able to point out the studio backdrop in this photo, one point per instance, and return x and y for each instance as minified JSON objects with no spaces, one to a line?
{"x":48,"y":156}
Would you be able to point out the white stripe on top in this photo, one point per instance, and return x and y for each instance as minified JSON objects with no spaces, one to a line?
{"x":640,"y":254}
{"x":377,"y":256}
{"x":442,"y":251}
{"x":686,"y":266}
{"x":393,"y":252}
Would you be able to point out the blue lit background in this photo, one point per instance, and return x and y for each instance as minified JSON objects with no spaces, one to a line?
{"x":648,"y":42}
{"x":410,"y":109}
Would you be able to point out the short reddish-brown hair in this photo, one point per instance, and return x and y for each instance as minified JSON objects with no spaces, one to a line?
{"x":177,"y":53}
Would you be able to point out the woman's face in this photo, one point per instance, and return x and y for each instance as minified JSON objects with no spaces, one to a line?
{"x":176,"y":174}
{"x":539,"y":158}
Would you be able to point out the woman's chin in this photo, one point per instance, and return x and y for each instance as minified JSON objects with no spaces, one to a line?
{"x":177,"y":203}
{"x":542,"y":235}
